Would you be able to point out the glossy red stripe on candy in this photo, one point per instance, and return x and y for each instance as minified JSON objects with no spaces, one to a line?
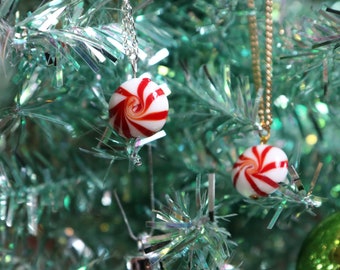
{"x":138,"y":108}
{"x":259,"y":170}
{"x":154,"y":116}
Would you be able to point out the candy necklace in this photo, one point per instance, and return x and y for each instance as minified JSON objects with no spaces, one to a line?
{"x":260,"y":169}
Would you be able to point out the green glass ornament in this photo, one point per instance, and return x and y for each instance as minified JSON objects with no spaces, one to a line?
{"x":321,"y":248}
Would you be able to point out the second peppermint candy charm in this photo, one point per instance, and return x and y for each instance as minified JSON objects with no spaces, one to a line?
{"x":138,"y":108}
{"x":258,"y":171}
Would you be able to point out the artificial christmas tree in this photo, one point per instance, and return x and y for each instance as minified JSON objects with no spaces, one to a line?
{"x":78,"y":193}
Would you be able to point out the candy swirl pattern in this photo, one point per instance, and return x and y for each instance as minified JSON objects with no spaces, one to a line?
{"x":138,"y":108}
{"x":259,"y":170}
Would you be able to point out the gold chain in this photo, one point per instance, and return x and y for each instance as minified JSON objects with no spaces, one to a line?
{"x":254,"y":46}
{"x":265,"y":110}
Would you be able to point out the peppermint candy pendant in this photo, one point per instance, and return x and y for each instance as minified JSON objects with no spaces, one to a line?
{"x":258,"y":171}
{"x":138,"y":108}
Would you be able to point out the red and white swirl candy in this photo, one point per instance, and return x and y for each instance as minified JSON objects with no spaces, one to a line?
{"x":138,"y":108}
{"x":258,"y":171}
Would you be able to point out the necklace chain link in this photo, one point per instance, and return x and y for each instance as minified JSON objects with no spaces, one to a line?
{"x":129,"y":35}
{"x":265,"y":110}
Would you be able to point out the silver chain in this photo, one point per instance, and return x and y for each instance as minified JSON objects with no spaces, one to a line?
{"x":130,"y":42}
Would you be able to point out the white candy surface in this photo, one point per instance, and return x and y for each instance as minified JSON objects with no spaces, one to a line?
{"x":138,"y":108}
{"x":258,"y":171}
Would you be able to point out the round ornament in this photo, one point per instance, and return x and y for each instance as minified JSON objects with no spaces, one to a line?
{"x":258,"y":171}
{"x":138,"y":108}
{"x":321,"y":249}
